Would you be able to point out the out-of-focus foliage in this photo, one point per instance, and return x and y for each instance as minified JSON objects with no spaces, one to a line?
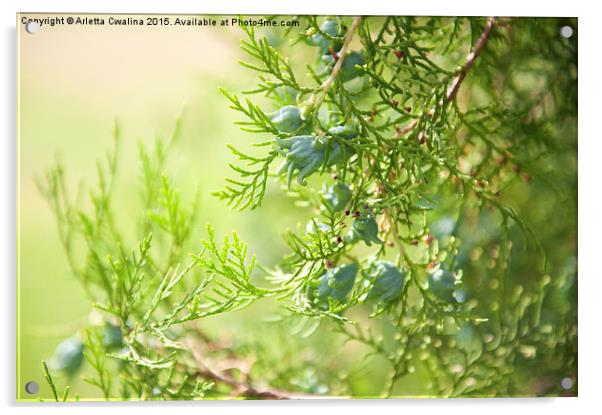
{"x":435,"y":159}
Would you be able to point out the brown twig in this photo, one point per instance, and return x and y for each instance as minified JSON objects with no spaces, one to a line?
{"x":452,"y":92}
{"x":450,"y":96}
{"x":341,"y":54}
{"x":472,"y":56}
{"x":240,"y":388}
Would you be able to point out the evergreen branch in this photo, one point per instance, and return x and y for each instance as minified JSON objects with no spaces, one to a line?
{"x":457,"y":81}
{"x":272,"y":62}
{"x":472,"y":56}
{"x":95,"y":355}
{"x":398,"y":242}
{"x":241,"y":195}
{"x":241,"y":388}
{"x":316,"y":101}
{"x":50,"y":381}
{"x":52,"y":385}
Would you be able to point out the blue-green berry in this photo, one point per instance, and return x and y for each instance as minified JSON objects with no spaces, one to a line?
{"x":387,"y":281}
{"x":287,"y":119}
{"x":348,"y":68}
{"x":307,"y":154}
{"x":337,"y":197}
{"x":111,"y":336}
{"x":365,"y":229}
{"x":442,"y":284}
{"x":343,"y":131}
{"x":336,"y":283}
{"x":68,"y":356}
{"x":332,"y":28}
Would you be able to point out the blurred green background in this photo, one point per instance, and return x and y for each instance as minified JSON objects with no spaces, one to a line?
{"x":75,"y":82}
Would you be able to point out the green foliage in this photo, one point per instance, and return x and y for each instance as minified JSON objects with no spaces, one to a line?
{"x":430,"y":128}
{"x":430,"y":156}
{"x":55,"y":393}
{"x":146,"y":298}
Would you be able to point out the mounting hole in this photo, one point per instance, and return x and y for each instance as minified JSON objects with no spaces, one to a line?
{"x":566,"y":31}
{"x":32,"y":388}
{"x":32,"y":27}
{"x":566,"y":383}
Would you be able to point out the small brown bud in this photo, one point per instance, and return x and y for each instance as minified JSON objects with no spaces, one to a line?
{"x":372,"y":116}
{"x":428,"y":238}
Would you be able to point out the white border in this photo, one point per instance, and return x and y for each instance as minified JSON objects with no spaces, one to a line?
{"x":590,"y":228}
{"x":374,"y":7}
